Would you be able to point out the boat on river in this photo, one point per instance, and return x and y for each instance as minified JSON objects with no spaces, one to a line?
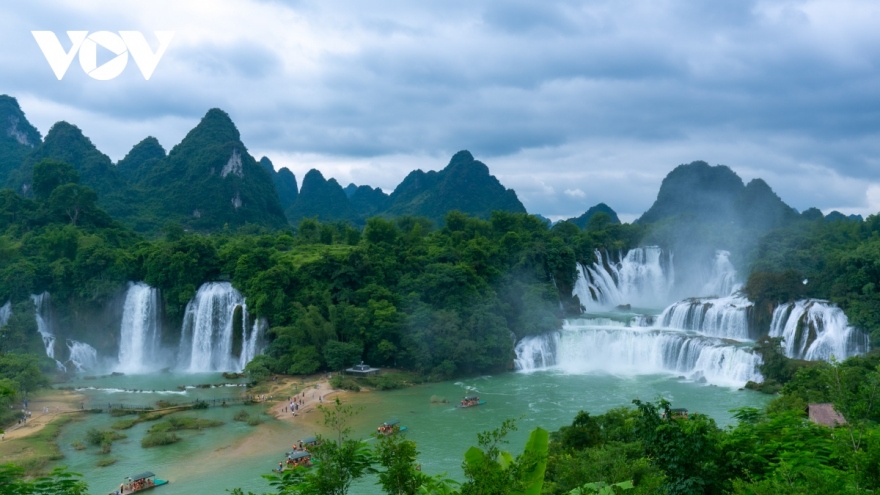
{"x":390,"y":427}
{"x":299,"y":458}
{"x":138,"y":483}
{"x":470,"y":401}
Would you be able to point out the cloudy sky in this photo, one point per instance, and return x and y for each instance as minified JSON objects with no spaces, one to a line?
{"x":570,"y":103}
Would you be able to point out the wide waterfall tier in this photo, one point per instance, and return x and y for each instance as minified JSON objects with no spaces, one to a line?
{"x":725,"y":317}
{"x":209,"y":341}
{"x":643,"y":278}
{"x":581,"y":348}
{"x":140,"y":331}
{"x":815,"y":330}
{"x":5,"y":313}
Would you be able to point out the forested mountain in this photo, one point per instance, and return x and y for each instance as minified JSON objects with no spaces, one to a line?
{"x":368,"y":201}
{"x":464,"y":185}
{"x":141,"y":159}
{"x":209,"y":181}
{"x":584,"y":220}
{"x":67,"y":144}
{"x":717,"y":195}
{"x":322,"y":199}
{"x":17,"y":136}
{"x":285,"y":183}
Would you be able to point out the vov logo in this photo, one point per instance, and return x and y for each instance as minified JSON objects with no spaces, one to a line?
{"x":123,"y":44}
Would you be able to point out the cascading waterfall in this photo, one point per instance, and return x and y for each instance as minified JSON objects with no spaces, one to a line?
{"x":584,"y":348}
{"x":41,"y":301}
{"x":82,"y":356}
{"x":722,"y":277}
{"x":814,"y":329}
{"x":5,"y":313}
{"x":206,"y":342}
{"x":644,"y":277}
{"x":726,"y":317}
{"x":251,"y":341}
{"x":139,"y":334}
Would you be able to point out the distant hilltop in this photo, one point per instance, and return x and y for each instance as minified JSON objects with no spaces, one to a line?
{"x":209,"y":182}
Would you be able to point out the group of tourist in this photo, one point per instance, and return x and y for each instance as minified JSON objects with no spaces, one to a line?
{"x":470,"y":401}
{"x":386,"y":429}
{"x":134,"y":486}
{"x":293,"y":404}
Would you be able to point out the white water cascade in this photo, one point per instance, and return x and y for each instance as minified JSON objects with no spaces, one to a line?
{"x":643,"y":278}
{"x":582,"y":347}
{"x":41,"y":301}
{"x":5,"y":313}
{"x":814,"y":330}
{"x":82,"y":356}
{"x":722,"y":280}
{"x":206,"y":342}
{"x":725,"y":317}
{"x":140,"y":332}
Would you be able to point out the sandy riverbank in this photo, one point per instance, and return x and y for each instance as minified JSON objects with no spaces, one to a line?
{"x":58,"y":402}
{"x":311,"y":392}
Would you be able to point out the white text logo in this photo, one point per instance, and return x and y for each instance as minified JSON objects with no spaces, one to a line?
{"x":122,"y":44}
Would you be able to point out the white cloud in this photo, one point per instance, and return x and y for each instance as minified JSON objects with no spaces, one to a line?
{"x":575,"y":193}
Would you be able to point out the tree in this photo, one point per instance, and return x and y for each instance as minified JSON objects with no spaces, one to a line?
{"x":401,"y":474}
{"x":49,"y":174}
{"x":491,"y":471}
{"x":339,"y":355}
{"x":59,"y":482}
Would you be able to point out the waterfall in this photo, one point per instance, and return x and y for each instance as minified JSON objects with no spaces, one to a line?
{"x":251,"y":341}
{"x":206,"y":342}
{"x":644,"y":277}
{"x":722,"y":277}
{"x":5,"y":313}
{"x":814,"y":329}
{"x":581,"y":348}
{"x":41,"y":301}
{"x":139,"y":333}
{"x":536,"y":352}
{"x":82,"y":356}
{"x":726,"y":317}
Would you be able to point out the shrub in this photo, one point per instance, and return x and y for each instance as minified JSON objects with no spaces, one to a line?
{"x":344,"y":383}
{"x":107,"y":461}
{"x":124,"y":424}
{"x":157,"y":439}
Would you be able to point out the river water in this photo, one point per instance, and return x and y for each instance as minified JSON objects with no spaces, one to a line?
{"x":235,"y":454}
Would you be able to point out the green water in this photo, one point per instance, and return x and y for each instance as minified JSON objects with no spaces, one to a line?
{"x":202,"y":463}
